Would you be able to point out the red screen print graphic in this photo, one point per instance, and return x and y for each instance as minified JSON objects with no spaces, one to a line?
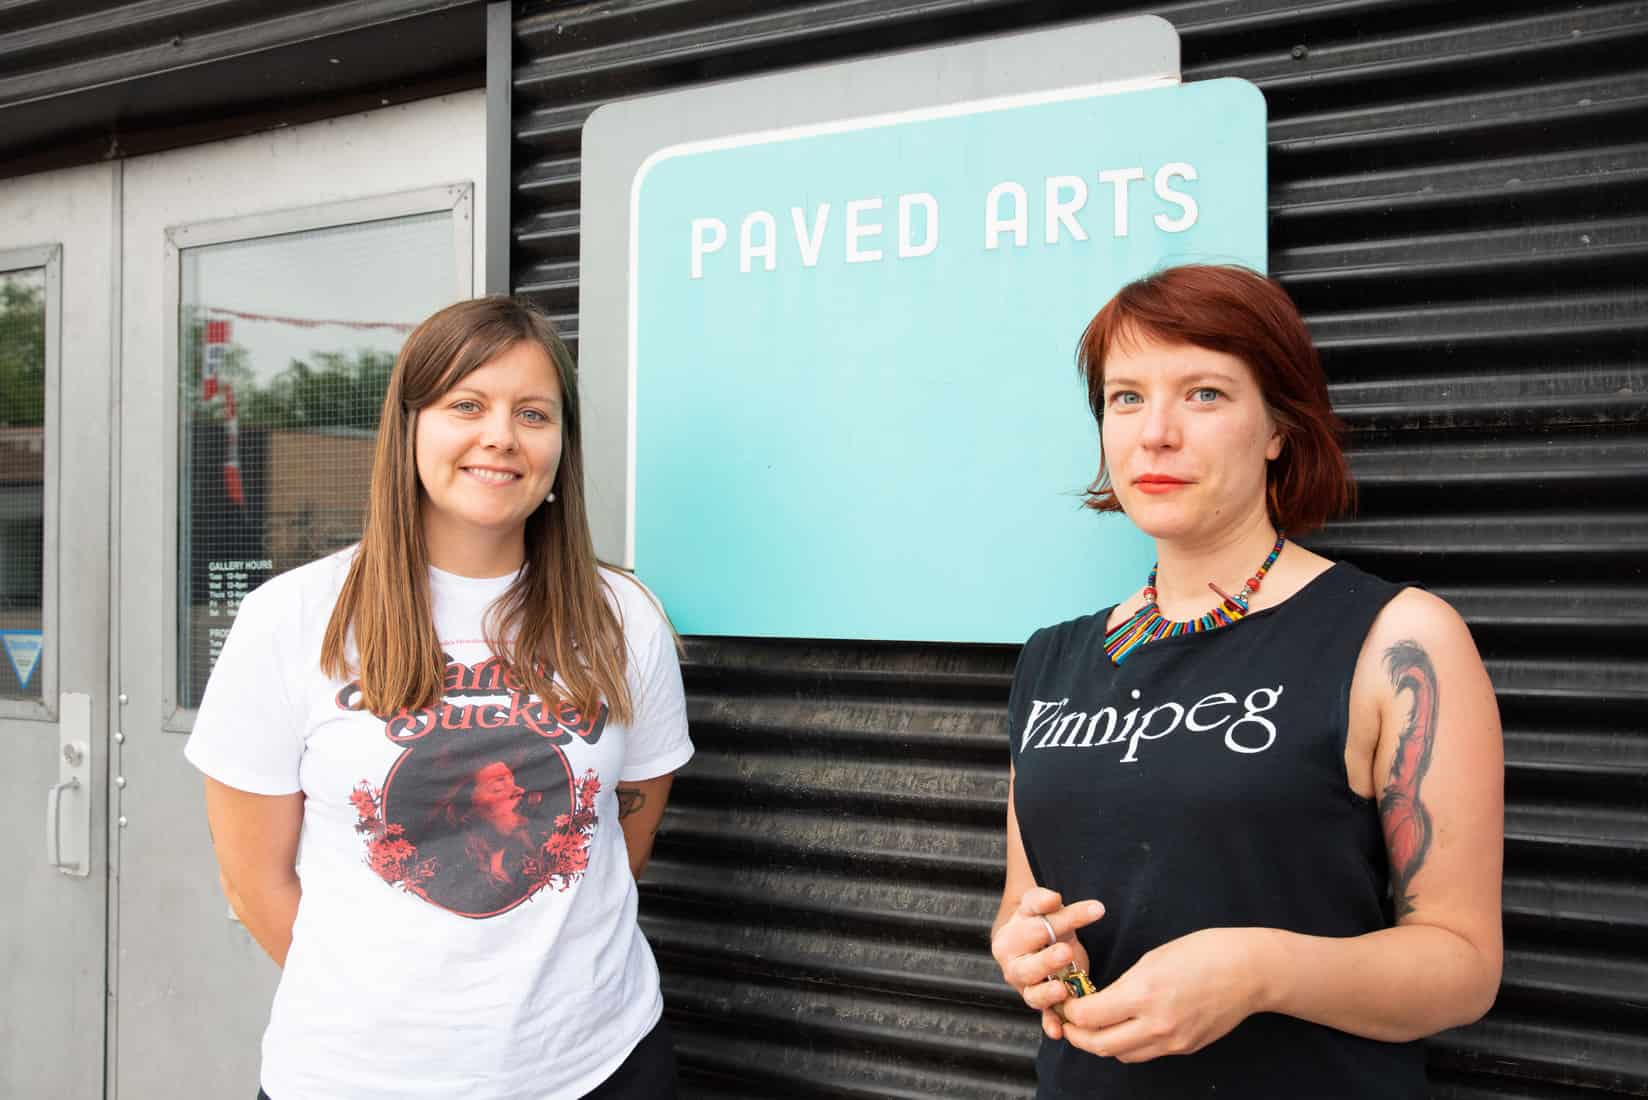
{"x":482,"y":809}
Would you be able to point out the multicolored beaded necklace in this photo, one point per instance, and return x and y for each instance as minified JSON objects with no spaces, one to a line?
{"x":1147,"y":624}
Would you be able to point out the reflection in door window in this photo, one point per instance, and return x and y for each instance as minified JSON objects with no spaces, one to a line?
{"x":287,"y":343}
{"x":22,"y":479}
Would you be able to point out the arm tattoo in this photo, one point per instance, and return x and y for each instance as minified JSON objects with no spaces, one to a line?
{"x":630,"y":800}
{"x":1406,"y":822}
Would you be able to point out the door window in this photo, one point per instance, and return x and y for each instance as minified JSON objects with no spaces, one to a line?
{"x":23,"y":330}
{"x":286,"y":343}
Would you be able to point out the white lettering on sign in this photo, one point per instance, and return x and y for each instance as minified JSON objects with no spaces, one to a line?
{"x":767,"y":250}
{"x":1165,"y":175}
{"x":1119,"y":178}
{"x":1062,"y":211}
{"x":811,"y":243}
{"x":708,"y":235}
{"x":995,"y":224}
{"x":1007,"y":216}
{"x":857,"y":230}
{"x":908,"y":249}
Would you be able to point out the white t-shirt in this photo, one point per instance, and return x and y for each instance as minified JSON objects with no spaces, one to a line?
{"x":467,"y":927}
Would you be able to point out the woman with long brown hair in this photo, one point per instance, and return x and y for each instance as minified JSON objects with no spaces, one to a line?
{"x":416,"y":750}
{"x":1255,"y":820}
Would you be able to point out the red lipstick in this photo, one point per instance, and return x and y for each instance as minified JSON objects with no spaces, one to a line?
{"x":1158,"y":483}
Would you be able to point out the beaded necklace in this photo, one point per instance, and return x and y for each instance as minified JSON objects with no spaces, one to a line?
{"x":1147,"y":624}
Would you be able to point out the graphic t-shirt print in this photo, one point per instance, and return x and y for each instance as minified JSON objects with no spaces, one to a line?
{"x":481,"y":810}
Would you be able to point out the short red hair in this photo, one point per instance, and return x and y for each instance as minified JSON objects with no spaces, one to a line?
{"x":1239,"y":312}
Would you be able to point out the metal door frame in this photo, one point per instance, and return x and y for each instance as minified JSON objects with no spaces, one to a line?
{"x":372,"y":166}
{"x":66,"y":221}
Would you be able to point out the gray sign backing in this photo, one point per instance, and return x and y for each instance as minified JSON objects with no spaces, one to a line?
{"x":619,"y":137}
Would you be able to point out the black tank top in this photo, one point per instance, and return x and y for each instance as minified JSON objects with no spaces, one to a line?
{"x":1202,"y":784}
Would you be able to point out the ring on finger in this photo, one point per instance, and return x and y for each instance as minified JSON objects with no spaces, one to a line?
{"x":1052,"y":936}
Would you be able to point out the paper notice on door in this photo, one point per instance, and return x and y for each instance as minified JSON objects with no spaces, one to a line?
{"x":23,"y":651}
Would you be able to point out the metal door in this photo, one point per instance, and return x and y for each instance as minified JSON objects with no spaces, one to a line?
{"x":267,"y":284}
{"x":56,"y":243}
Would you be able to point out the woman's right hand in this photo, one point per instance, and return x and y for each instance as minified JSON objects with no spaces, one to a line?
{"x":255,"y":837}
{"x":1028,"y":956}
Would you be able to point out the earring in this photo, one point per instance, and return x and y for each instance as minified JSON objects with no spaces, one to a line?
{"x":551,"y":497}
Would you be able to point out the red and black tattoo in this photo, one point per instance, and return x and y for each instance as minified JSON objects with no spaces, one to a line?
{"x":1406,"y":822}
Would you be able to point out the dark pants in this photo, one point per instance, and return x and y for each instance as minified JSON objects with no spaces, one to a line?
{"x":647,"y":1074}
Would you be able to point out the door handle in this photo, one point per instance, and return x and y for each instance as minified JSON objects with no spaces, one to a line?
{"x":54,"y":824}
{"x":69,"y":828}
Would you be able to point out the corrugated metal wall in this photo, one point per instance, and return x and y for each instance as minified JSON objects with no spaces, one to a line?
{"x":1458,"y":204}
{"x":84,"y":80}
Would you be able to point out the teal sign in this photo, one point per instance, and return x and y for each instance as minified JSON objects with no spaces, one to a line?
{"x":855,"y":406}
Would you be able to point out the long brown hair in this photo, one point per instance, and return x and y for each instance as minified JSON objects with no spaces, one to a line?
{"x":555,"y":617}
{"x":1239,"y":312}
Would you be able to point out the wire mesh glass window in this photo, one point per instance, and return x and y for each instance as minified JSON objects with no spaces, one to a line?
{"x":22,"y":480}
{"x":287,"y":343}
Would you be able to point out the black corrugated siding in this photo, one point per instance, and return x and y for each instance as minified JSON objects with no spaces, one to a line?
{"x":1458,"y":204}
{"x":85,"y":80}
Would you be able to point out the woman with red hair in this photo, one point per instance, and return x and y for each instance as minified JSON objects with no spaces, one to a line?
{"x":1255,"y":823}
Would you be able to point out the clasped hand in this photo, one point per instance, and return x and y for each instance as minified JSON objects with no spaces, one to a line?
{"x":1176,"y":999}
{"x":1027,"y":959}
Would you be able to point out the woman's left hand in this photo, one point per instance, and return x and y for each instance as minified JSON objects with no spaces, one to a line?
{"x":1177,"y":999}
